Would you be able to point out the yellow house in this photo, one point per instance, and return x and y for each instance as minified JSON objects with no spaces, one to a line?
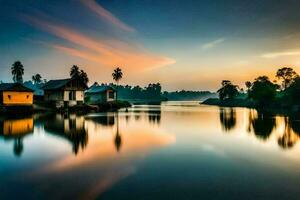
{"x":15,"y":94}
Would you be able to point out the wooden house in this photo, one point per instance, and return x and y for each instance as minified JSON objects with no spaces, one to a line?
{"x":65,"y":92}
{"x":100,"y":94}
{"x":15,"y":94}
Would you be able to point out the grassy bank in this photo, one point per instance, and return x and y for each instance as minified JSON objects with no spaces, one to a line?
{"x":115,"y":105}
{"x":238,"y":102}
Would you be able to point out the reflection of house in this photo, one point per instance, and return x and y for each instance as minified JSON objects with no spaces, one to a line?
{"x":15,"y":94}
{"x":16,"y":130}
{"x":70,"y":127}
{"x":100,"y":94}
{"x":105,"y":120}
{"x":65,"y":92}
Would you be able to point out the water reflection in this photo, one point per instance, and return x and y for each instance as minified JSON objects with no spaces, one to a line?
{"x":15,"y":129}
{"x":113,"y":152}
{"x":70,"y":127}
{"x":262,"y":124}
{"x":227,"y":118}
{"x":154,"y":116}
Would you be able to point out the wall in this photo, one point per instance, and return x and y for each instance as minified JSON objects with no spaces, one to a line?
{"x":79,"y":95}
{"x":17,"y":98}
{"x":53,"y":95}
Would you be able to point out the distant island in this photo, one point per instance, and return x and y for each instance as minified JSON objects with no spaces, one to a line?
{"x":262,"y":93}
{"x":153,"y":94}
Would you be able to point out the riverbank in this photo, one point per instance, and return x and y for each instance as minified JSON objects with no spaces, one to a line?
{"x":39,"y":107}
{"x":273,"y":108}
{"x":238,"y":102}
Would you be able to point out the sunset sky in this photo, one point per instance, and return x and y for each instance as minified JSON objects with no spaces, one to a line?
{"x":189,"y":44}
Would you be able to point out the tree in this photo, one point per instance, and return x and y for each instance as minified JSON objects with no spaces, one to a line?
{"x":293,"y":92}
{"x":248,"y":85}
{"x":17,"y":71}
{"x":84,"y":77}
{"x":263,"y":91}
{"x":74,"y":72}
{"x":287,"y":75}
{"x":228,"y":90}
{"x":117,"y":76}
{"x":37,"y":79}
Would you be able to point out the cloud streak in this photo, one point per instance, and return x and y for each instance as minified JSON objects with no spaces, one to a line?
{"x":110,"y":53}
{"x":213,"y":44}
{"x":105,"y":14}
{"x":281,"y":54}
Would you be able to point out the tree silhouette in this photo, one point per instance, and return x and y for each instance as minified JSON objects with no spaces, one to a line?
{"x":17,"y":71}
{"x":228,"y":90}
{"x":263,"y":91}
{"x":287,"y":75}
{"x":248,"y":85}
{"x":37,"y":78}
{"x":76,"y":72}
{"x":117,"y":76}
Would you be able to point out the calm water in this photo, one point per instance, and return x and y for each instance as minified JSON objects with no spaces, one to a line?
{"x":172,"y":151}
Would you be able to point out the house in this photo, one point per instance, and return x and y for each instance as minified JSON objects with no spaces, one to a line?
{"x":100,"y":94}
{"x":65,"y":92}
{"x":15,"y":94}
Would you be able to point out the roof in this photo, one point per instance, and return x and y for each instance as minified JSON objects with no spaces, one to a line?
{"x":99,"y":89}
{"x":35,"y":87}
{"x":55,"y":84}
{"x":14,"y":87}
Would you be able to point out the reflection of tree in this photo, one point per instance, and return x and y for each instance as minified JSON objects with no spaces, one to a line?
{"x":154,"y":116}
{"x":227,"y":118}
{"x":18,"y":147}
{"x":291,"y":133}
{"x":69,"y":127}
{"x":105,"y":120}
{"x":262,"y":124}
{"x":118,"y":138}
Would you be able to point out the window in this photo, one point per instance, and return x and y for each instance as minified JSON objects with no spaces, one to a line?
{"x":111,"y":94}
{"x":72,"y":95}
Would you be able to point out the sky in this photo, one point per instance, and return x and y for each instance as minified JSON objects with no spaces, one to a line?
{"x":191,"y":45}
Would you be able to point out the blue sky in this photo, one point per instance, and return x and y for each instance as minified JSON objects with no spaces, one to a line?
{"x":182,"y":44}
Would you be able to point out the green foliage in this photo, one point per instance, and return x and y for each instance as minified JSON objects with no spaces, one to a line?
{"x":228,"y":90}
{"x":17,"y":71}
{"x":263,"y":91}
{"x":292,"y":93}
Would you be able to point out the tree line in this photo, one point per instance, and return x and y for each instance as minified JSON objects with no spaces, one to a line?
{"x":263,"y":93}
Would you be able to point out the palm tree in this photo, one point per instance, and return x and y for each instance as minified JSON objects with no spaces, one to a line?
{"x":83,"y":76}
{"x":117,"y":76}
{"x":37,"y":79}
{"x":74,"y":72}
{"x":17,"y":71}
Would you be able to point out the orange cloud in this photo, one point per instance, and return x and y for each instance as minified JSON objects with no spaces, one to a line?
{"x":106,"y":52}
{"x":99,"y":10}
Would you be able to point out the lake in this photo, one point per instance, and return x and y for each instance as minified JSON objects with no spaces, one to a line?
{"x":177,"y":150}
